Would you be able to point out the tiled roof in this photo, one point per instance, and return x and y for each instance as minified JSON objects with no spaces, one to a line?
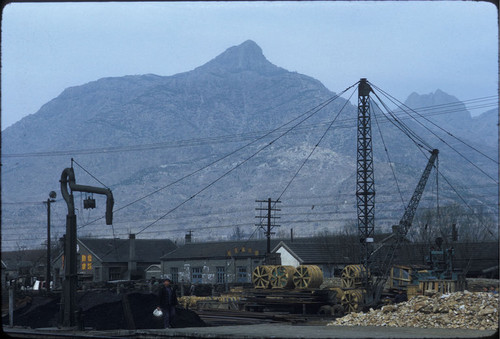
{"x":220,"y":249}
{"x":311,"y":248}
{"x":27,"y":258}
{"x":117,"y":250}
{"x":339,"y":249}
{"x":473,"y":257}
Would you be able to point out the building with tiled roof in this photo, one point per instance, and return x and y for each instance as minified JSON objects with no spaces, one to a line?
{"x":214,"y":262}
{"x":116,"y":259}
{"x":333,"y":253}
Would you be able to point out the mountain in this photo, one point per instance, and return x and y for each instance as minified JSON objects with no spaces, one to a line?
{"x":194,"y":151}
{"x":446,"y":111}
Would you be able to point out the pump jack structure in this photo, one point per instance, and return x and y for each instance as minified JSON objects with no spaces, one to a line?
{"x":68,"y":305}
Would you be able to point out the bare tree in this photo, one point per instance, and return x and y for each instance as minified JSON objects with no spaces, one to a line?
{"x":471,"y":226}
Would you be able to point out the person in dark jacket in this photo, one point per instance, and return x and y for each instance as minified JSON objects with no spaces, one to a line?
{"x":400,"y":297}
{"x":167,"y":302}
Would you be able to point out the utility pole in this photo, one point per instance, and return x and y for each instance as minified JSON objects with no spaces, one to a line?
{"x":51,"y":199}
{"x":68,"y":186}
{"x":270,"y":218}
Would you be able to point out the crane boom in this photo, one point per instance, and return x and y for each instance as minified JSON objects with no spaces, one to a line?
{"x":400,"y":232}
{"x":407,"y":218}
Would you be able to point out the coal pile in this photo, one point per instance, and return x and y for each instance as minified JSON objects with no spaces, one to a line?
{"x":103,"y":310}
{"x":467,"y":310}
{"x":40,"y":311}
{"x":143,"y":305}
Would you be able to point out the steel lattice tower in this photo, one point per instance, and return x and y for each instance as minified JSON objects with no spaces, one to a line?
{"x":365,"y":187}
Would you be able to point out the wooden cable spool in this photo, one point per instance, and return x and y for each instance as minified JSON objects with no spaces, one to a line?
{"x":261,"y":276}
{"x":352,"y":300}
{"x":352,"y":276}
{"x":307,"y":276}
{"x":282,"y":276}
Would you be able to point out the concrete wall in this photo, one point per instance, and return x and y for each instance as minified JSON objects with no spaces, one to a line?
{"x":209,"y":270}
{"x":287,"y":259}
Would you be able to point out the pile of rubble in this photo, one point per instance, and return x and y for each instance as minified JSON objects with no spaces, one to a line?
{"x":468,"y":310}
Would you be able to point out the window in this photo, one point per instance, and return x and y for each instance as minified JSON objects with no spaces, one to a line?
{"x":196,"y":277}
{"x":86,"y":262}
{"x":174,"y":274}
{"x":242,"y":274}
{"x":221,"y":274}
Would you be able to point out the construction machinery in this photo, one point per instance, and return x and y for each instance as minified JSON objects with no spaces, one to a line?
{"x":363,"y":284}
{"x":438,"y":276}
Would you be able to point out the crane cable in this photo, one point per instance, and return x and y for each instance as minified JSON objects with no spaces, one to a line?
{"x":389,"y":160}
{"x":402,"y":126}
{"x":434,"y":124}
{"x":443,"y":141}
{"x":440,"y":172}
{"x":315,"y":147}
{"x":314,"y":112}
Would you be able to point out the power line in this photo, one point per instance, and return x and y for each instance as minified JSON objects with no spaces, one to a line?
{"x":314,"y":148}
{"x":314,"y":110}
{"x":291,"y":222}
{"x":434,"y":124}
{"x":176,"y":221}
{"x":453,"y":107}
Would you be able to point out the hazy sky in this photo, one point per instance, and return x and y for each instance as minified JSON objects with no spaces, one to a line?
{"x":402,"y":47}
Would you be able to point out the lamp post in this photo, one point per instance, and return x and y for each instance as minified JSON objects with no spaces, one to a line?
{"x":51,"y":199}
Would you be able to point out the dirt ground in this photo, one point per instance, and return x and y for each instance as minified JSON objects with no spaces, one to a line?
{"x":275,"y":331}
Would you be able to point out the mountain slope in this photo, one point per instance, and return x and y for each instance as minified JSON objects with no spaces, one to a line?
{"x":140,"y":135}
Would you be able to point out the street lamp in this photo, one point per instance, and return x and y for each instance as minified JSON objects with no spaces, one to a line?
{"x":51,"y":199}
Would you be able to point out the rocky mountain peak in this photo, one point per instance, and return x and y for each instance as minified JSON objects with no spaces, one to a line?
{"x":441,"y":107}
{"x":437,"y":98}
{"x":247,"y":56}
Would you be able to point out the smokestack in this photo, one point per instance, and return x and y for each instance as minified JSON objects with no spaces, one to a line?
{"x":132,"y":263}
{"x":291,"y":234}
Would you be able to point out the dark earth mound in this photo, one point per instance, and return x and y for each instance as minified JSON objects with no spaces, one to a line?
{"x":103,"y":310}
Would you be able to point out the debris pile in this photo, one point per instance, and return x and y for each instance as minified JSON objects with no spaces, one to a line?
{"x":468,"y":310}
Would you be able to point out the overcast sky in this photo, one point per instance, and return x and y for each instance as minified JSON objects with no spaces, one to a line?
{"x":402,"y":47}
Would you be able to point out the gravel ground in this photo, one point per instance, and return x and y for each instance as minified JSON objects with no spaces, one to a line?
{"x":465,"y":310}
